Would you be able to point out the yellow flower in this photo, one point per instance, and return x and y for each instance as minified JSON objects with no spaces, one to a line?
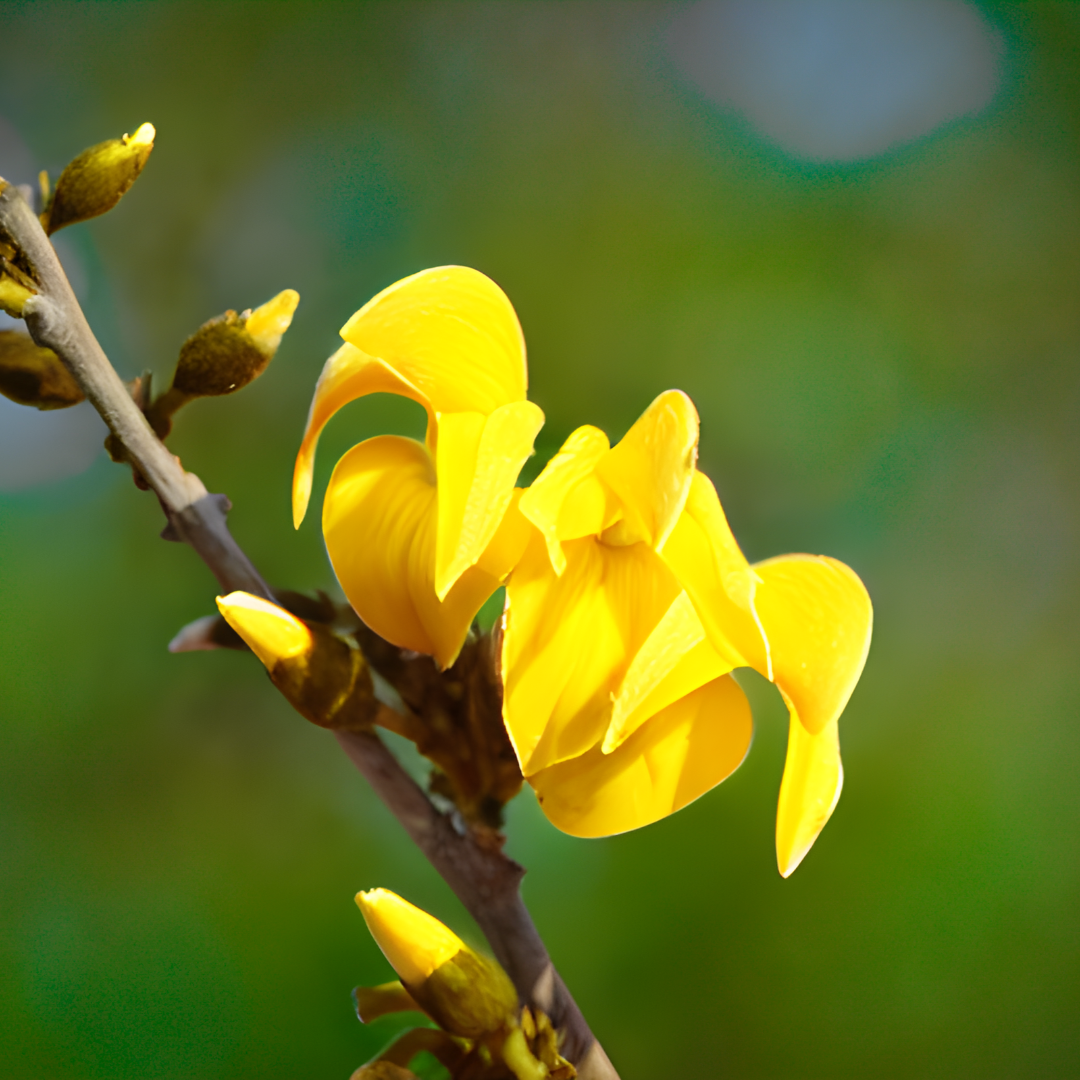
{"x":420,"y":534}
{"x":631,"y":605}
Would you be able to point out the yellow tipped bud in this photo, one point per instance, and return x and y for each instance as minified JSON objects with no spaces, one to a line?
{"x":13,"y":296}
{"x":465,"y":993}
{"x":98,"y":178}
{"x":323,"y":677}
{"x":34,"y":376}
{"x":272,"y":633}
{"x":228,"y":352}
{"x":414,"y":942}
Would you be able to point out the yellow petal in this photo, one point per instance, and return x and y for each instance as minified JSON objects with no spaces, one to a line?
{"x":813,"y":776}
{"x":651,"y":469}
{"x":348,"y":374}
{"x":676,"y":757}
{"x":705,"y":558}
{"x":379,"y":519}
{"x":568,"y":641}
{"x":817,"y":618}
{"x":452,"y":333}
{"x":545,"y":500}
{"x":414,"y":942}
{"x":477,"y":461}
{"x":671,"y":640}
{"x":271,"y":632}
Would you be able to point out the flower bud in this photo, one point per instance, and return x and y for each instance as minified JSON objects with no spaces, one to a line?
{"x":226,"y":353}
{"x":322,"y":676}
{"x":465,"y":993}
{"x":97,"y":179}
{"x":34,"y":376}
{"x":16,"y":285}
{"x":13,"y":295}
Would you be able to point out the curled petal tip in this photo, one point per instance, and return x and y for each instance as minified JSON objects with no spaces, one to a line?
{"x":272,"y":633}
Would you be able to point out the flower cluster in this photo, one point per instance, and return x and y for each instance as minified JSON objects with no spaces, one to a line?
{"x":628,"y":600}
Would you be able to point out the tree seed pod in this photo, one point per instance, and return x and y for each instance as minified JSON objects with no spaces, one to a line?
{"x":97,"y":179}
{"x":34,"y":376}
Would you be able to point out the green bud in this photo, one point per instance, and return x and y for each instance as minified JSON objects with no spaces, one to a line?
{"x":34,"y":376}
{"x":97,"y":179}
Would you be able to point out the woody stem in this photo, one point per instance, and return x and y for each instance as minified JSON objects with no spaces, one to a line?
{"x":486,"y":882}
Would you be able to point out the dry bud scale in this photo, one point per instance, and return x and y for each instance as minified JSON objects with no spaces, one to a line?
{"x":629,"y":602}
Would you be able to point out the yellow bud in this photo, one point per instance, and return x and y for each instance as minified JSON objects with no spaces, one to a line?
{"x":34,"y":376}
{"x":323,"y":677}
{"x":414,"y":942}
{"x":272,"y":633}
{"x":13,"y":296}
{"x":97,"y":179}
{"x":228,"y":352}
{"x":465,"y":993}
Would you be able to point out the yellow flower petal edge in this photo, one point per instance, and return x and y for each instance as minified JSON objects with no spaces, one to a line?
{"x":379,"y":523}
{"x":415,"y":943}
{"x":450,"y":332}
{"x":348,"y":374}
{"x":809,"y":792}
{"x":477,"y":462}
{"x":272,"y":633}
{"x":683,"y":751}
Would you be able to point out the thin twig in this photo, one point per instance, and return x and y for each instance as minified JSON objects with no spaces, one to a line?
{"x":486,"y":881}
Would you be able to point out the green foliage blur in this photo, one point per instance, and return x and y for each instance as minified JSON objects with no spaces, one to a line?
{"x":884,"y":356}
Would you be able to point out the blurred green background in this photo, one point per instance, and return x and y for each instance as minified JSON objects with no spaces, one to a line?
{"x":883,"y":349}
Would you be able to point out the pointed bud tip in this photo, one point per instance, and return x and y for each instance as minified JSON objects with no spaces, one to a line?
{"x":144,"y":136}
{"x":414,"y":942}
{"x":272,"y":633}
{"x":267,"y":324}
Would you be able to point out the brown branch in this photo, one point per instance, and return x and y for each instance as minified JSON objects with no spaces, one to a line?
{"x":485,"y":880}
